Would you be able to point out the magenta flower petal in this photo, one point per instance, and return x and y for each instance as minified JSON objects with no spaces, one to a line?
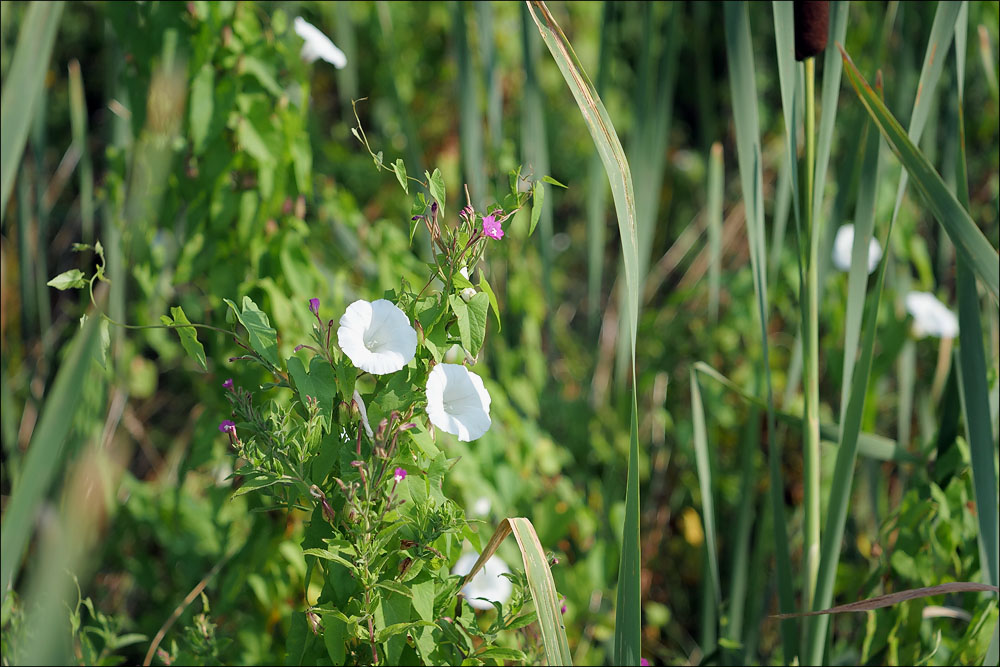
{"x":491,"y":227}
{"x":314,"y":306}
{"x":228,"y":384}
{"x":227,"y":426}
{"x":400,"y":475}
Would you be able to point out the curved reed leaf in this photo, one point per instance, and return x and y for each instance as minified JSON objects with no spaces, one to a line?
{"x":45,"y":453}
{"x":902,"y":596}
{"x":972,"y":245}
{"x":628,"y":619}
{"x":540,"y":583}
{"x":22,"y":87}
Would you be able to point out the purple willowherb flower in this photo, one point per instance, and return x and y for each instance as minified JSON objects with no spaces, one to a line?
{"x":400,"y":475}
{"x":227,"y":426}
{"x":228,"y":384}
{"x":314,"y":306}
{"x":644,"y":662}
{"x":491,"y":227}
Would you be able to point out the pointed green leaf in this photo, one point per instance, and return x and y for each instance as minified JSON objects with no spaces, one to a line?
{"x":400,"y":168}
{"x":435,"y":182}
{"x":971,"y":244}
{"x":72,"y":279}
{"x":537,"y":198}
{"x":263,"y":338}
{"x":188,"y":336}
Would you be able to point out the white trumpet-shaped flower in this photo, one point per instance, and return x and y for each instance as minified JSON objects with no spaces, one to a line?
{"x":457,"y":401}
{"x":930,"y":316}
{"x":316,"y":45}
{"x":377,"y":336}
{"x":488,"y":582}
{"x":843,"y":246}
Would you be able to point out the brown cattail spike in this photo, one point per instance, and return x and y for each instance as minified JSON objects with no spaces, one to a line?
{"x":812,"y":21}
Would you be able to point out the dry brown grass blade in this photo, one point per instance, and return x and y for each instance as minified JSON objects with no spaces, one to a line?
{"x":902,"y":596}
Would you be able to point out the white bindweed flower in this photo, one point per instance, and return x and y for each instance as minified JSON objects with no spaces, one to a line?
{"x":487,"y":583}
{"x":457,"y":401}
{"x":930,"y":316}
{"x":317,"y":45}
{"x":377,"y":336}
{"x":843,"y":246}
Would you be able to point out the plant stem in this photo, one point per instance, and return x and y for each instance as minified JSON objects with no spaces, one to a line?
{"x":810,"y":341}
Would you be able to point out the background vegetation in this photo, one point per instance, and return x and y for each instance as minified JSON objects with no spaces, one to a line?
{"x":211,"y":163}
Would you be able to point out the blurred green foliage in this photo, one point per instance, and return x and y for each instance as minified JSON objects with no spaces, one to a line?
{"x":223,"y":165}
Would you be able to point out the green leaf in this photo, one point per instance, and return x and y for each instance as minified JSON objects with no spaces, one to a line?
{"x":485,"y":286}
{"x":395,"y":587}
{"x":334,"y":638}
{"x":263,"y":338}
{"x":500,"y":653}
{"x":552,"y":181}
{"x":263,"y":72}
{"x":45,"y":451}
{"x":250,"y":140}
{"x":23,"y":87}
{"x":471,"y":320}
{"x":400,"y":168}
{"x":202,"y":105}
{"x":537,"y":198}
{"x":188,"y":336}
{"x":540,"y":584}
{"x":347,"y":375}
{"x":973,"y":247}
{"x":319,"y":383}
{"x":72,"y":279}
{"x":435,"y":182}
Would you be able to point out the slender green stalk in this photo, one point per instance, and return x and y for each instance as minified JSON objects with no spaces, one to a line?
{"x":810,"y":341}
{"x":715,"y":176}
{"x":739,"y":56}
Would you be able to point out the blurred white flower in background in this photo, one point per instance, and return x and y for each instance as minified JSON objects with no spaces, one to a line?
{"x":843,"y":246}
{"x":481,"y":507}
{"x":377,"y":336}
{"x":930,"y":316}
{"x":316,"y":45}
{"x":487,"y":583}
{"x":457,"y":402}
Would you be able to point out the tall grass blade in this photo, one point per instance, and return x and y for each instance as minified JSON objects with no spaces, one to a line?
{"x":628,"y":617}
{"x":46,"y":451}
{"x":703,"y":464}
{"x":534,"y":143}
{"x":832,"y":71}
{"x":740,"y":572}
{"x":875,"y":447}
{"x":540,"y":583}
{"x":739,"y":55}
{"x":972,"y":245}
{"x":840,"y":488}
{"x":78,"y":122}
{"x":715,"y":176}
{"x":973,"y":385}
{"x":857,"y":279}
{"x":597,"y":192}
{"x":22,"y":87}
{"x":470,"y":122}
